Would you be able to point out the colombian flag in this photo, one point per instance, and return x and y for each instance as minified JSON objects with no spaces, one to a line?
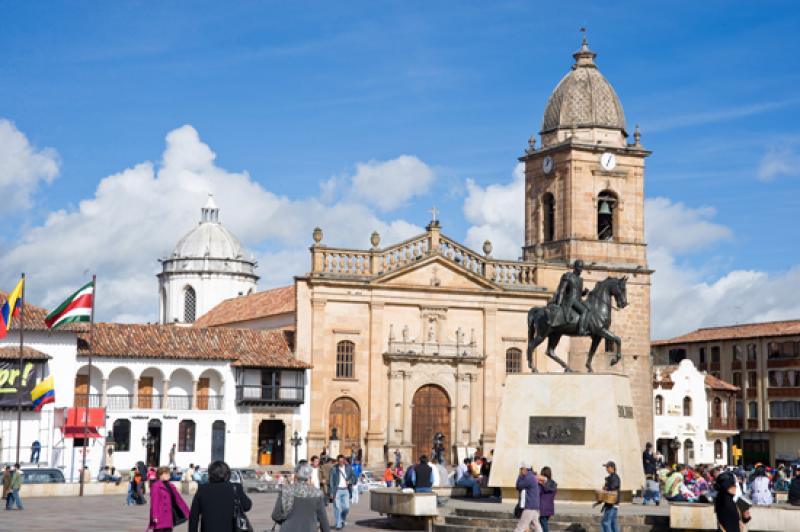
{"x":11,"y":308}
{"x":43,"y":393}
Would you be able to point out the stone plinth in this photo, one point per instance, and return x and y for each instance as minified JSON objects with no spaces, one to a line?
{"x":572,"y":422}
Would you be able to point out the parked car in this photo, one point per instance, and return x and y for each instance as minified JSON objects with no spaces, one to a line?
{"x":42,"y":476}
{"x":369,"y":481}
{"x":252,"y":481}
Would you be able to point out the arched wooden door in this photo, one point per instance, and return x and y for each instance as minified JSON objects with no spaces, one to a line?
{"x":431,"y":414}
{"x":345,"y":417}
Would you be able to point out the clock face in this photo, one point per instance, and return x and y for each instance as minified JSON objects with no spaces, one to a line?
{"x":547,"y":164}
{"x":608,"y":161}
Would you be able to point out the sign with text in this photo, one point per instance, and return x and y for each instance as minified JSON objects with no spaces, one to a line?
{"x":556,"y":430}
{"x":13,"y":380}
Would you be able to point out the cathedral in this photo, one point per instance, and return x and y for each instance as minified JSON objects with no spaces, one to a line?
{"x":413,"y":338}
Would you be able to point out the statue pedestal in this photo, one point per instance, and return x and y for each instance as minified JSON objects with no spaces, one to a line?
{"x":573,"y":423}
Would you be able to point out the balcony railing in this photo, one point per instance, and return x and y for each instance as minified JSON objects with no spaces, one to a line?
{"x":179,"y":402}
{"x":153,"y":401}
{"x":257,"y":394}
{"x":119,"y":401}
{"x":718,"y":423}
{"x":90,"y":400}
{"x":209,"y":402}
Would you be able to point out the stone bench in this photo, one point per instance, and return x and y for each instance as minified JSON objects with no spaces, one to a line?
{"x":404,"y":508}
{"x":696,"y":516}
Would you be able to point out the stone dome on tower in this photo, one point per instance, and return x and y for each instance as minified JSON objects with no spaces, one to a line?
{"x":583,"y":100}
{"x":210,"y":238}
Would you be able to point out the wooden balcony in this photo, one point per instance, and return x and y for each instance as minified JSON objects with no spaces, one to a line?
{"x":255,"y":394}
{"x":783,"y":363}
{"x":779,"y":391}
{"x":718,"y":423}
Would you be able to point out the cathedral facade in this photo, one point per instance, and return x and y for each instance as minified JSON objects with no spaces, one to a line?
{"x":417,"y":337}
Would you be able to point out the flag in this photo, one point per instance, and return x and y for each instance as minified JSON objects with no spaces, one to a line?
{"x":11,"y":308}
{"x":43,"y":393}
{"x":77,"y":307}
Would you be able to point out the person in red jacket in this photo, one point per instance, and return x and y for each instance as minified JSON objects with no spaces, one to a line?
{"x":163,"y":495}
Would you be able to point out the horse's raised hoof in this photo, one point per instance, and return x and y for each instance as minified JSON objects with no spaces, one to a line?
{"x":616,"y":359}
{"x":589,"y":369}
{"x":567,"y":370}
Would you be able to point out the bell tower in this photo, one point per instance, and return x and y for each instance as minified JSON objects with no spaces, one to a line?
{"x":584,"y":199}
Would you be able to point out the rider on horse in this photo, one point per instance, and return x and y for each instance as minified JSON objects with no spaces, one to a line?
{"x":568,"y":298}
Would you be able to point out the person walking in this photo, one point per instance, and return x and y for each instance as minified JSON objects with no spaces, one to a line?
{"x":612,"y":486}
{"x":357,"y":487}
{"x":301,"y":506}
{"x":340,"y":485}
{"x":528,"y":488}
{"x":729,"y":518}
{"x":315,"y":478}
{"x":650,"y":464}
{"x":172,"y":456}
{"x":36,"y":449}
{"x":213,"y":504}
{"x":13,"y":495}
{"x":165,"y":503}
{"x":759,"y":487}
{"x":6,"y":482}
{"x":794,"y":488}
{"x":547,"y":497}
{"x":422,"y":476}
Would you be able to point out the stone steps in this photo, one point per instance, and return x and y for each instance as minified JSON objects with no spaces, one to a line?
{"x":475,"y":520}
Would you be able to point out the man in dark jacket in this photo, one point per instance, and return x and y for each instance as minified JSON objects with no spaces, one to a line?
{"x":213,"y":504}
{"x":422,"y":476}
{"x":612,"y":485}
{"x":794,"y":489}
{"x":340,"y":485}
{"x":528,"y":487}
{"x":650,"y":466}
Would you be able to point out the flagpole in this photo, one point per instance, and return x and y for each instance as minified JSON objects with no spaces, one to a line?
{"x":88,"y":383}
{"x":19,"y":382}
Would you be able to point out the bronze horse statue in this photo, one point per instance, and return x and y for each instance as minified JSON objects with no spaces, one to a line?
{"x":598,"y":321}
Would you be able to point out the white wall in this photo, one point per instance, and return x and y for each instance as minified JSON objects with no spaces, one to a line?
{"x":211,"y":289}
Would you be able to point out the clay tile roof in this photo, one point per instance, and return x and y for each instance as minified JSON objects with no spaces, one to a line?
{"x":244,"y":347}
{"x":11,"y":352}
{"x":34,"y":318}
{"x":735,"y":332}
{"x":250,"y":307}
{"x":719,"y":384}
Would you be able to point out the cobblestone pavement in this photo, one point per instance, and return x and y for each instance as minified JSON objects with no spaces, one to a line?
{"x":109,"y":513}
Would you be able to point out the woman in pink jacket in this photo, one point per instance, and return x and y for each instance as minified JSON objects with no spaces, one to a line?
{"x":162,"y":495}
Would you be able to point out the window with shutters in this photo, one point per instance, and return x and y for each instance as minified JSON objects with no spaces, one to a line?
{"x":189,"y":305}
{"x":121,"y":434}
{"x":659,"y":405}
{"x":186,"y":431}
{"x":345,"y":354}
{"x":687,"y":406}
{"x":513,"y":360}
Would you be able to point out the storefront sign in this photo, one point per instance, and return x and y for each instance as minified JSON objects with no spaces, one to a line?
{"x":12,"y":380}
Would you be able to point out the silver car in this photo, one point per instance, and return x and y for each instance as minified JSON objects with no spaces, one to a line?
{"x":250,"y":481}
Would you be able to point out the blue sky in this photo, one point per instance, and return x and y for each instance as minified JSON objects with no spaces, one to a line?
{"x":295,"y":94}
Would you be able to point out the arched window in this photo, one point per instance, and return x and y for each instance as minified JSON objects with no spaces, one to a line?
{"x":687,"y":406}
{"x":659,"y":405}
{"x":345,"y":353}
{"x":606,"y":204}
{"x":189,"y":305}
{"x":718,"y":408}
{"x":121,"y":433}
{"x":717,"y":450}
{"x":549,"y":217}
{"x":186,"y":430}
{"x":688,"y":452}
{"x":513,"y":360}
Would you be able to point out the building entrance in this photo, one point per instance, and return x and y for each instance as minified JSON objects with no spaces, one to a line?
{"x":431,"y":414}
{"x":271,"y":442}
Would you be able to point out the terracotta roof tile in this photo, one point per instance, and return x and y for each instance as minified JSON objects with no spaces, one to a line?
{"x":735,"y":332}
{"x":244,"y":347}
{"x":250,"y":307}
{"x":34,"y":318}
{"x":11,"y":352}
{"x":719,"y":384}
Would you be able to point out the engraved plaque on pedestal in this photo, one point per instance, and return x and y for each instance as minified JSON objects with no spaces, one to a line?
{"x":556,"y":430}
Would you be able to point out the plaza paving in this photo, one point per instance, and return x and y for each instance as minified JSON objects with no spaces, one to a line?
{"x":109,"y":513}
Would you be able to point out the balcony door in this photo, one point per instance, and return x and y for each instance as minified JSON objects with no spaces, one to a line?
{"x":145,"y":392}
{"x":270,"y":384}
{"x":81,"y":390}
{"x":203,"y":384}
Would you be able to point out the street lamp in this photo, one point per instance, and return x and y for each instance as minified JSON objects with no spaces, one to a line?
{"x":296,"y":442}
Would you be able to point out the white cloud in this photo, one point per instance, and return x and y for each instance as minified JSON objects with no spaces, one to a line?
{"x":497,"y":214}
{"x":678,"y":228}
{"x":22,"y":167}
{"x":390,"y":184}
{"x":777,"y":162}
{"x":138,"y":214}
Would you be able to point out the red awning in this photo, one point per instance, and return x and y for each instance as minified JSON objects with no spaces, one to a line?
{"x":76,"y":432}
{"x":73,"y":421}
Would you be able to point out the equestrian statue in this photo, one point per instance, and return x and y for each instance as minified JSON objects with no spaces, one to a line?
{"x":568,"y":314}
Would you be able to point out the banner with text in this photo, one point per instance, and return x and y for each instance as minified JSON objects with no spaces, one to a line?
{"x":13,"y":380}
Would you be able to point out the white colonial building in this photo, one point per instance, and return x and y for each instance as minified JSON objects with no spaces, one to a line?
{"x":207,"y":266}
{"x":695,"y":415}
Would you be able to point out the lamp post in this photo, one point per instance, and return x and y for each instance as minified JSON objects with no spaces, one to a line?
{"x":296,"y":442}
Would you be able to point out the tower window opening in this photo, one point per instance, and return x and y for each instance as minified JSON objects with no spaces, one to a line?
{"x":549,"y":220}
{"x":606,"y":204}
{"x":189,"y":305}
